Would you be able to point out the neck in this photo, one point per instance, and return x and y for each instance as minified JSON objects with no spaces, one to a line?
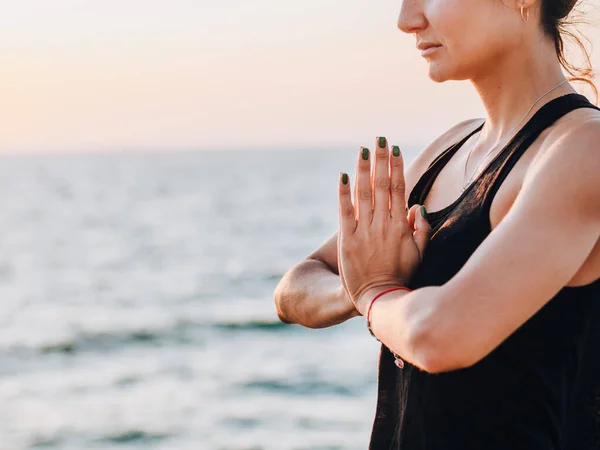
{"x":514,"y":83}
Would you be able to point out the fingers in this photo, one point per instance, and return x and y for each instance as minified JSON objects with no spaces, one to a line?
{"x":397,"y":184}
{"x":354,"y":197}
{"x":412,"y":212}
{"x":340,"y":268}
{"x":364,"y":195}
{"x":381,"y":182}
{"x":380,"y":193}
{"x":422,"y":232}
{"x":346,"y":208}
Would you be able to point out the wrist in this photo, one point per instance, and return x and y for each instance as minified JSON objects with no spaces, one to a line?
{"x":365,"y":298}
{"x":349,"y":307}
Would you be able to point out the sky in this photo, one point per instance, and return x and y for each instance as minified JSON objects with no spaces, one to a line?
{"x":80,"y":75}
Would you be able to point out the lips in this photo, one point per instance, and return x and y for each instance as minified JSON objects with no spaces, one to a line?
{"x":430,"y":50}
{"x":426,"y":45}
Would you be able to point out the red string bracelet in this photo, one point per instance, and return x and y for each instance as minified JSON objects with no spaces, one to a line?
{"x":398,"y":361}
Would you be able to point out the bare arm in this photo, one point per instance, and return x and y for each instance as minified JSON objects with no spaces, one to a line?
{"x":311,"y":293}
{"x":537,"y":248}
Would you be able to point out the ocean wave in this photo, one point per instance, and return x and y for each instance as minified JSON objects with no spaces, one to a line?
{"x":46,"y":443}
{"x":300,"y":387}
{"x":104,"y":341}
{"x":134,"y":436}
{"x":180,"y":332}
{"x":262,"y":325}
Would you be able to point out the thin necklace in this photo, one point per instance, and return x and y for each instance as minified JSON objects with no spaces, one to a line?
{"x":465,"y":185}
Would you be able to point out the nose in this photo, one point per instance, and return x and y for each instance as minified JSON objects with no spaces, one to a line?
{"x":411,"y":18}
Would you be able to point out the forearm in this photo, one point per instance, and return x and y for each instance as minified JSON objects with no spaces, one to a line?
{"x":310,"y":294}
{"x":403,"y":321}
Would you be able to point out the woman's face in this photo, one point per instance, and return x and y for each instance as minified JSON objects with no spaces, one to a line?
{"x":474,"y":35}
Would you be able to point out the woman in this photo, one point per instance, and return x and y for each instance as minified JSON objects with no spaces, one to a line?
{"x":488,"y":336}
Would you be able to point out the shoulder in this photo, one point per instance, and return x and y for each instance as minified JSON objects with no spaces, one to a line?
{"x":426,"y":156}
{"x":571,"y":142}
{"x":580,"y":126}
{"x":569,"y":161}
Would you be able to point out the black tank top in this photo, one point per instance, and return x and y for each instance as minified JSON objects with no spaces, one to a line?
{"x":540,"y":388}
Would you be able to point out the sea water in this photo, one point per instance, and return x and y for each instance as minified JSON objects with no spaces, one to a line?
{"x":137,"y":304}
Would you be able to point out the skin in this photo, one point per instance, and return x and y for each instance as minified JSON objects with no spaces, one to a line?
{"x":553,"y":189}
{"x":378,"y":216}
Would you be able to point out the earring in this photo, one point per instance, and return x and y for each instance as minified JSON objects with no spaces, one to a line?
{"x":525,"y":17}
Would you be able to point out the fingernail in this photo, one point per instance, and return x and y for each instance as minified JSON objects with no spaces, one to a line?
{"x":423,"y":212}
{"x":381,"y":142}
{"x":365,"y":153}
{"x":344,"y":178}
{"x":396,"y":150}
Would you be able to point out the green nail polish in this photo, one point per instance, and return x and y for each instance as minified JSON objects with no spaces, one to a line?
{"x":365,"y":153}
{"x":396,"y":150}
{"x":344,"y":178}
{"x":423,"y":212}
{"x":381,"y":142}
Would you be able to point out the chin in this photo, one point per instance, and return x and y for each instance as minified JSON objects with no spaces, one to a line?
{"x":439,"y":73}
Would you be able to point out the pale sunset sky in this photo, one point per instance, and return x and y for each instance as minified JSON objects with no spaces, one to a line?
{"x":80,"y":75}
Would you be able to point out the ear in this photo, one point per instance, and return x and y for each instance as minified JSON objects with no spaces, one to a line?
{"x":531,"y":5}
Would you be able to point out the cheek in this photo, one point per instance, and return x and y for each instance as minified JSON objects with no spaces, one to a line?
{"x":491,"y":42}
{"x":451,"y":21}
{"x":468,"y":39}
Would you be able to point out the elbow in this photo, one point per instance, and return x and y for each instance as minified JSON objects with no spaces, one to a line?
{"x":279,"y":296}
{"x":287,"y":301}
{"x":423,"y":350}
{"x":281,"y":316}
{"x":436,"y":362}
{"x":289,"y":311}
{"x":435,"y":351}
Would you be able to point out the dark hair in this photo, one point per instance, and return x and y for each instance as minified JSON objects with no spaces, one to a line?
{"x":556,"y":17}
